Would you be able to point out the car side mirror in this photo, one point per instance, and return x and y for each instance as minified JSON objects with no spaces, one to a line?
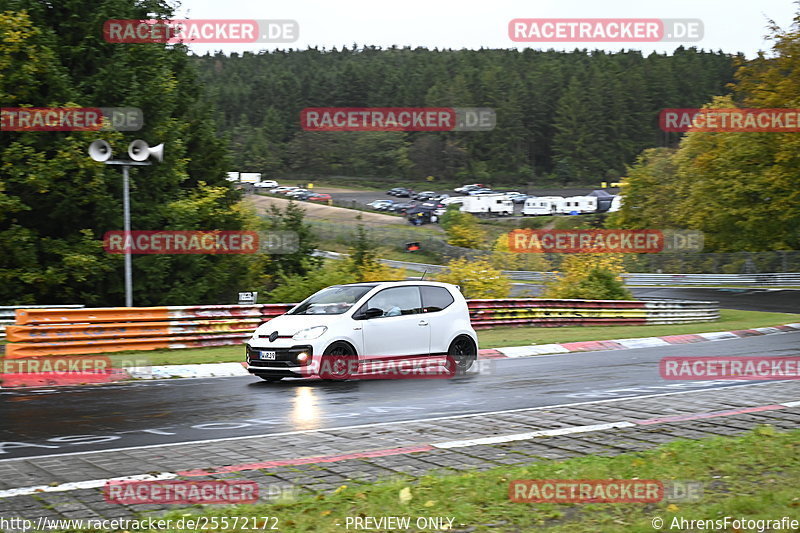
{"x":372,"y":312}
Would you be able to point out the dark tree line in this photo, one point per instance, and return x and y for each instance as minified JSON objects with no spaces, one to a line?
{"x":56,"y":204}
{"x":570,"y":117}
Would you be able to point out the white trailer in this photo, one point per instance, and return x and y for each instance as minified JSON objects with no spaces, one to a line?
{"x":579,"y":205}
{"x":543,"y":205}
{"x":616,"y":203}
{"x":487,"y":204}
{"x":250,"y":177}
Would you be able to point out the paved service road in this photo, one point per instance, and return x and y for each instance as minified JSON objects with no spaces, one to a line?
{"x":41,"y":421}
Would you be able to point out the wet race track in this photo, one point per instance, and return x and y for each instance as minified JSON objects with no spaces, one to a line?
{"x":38,"y":422}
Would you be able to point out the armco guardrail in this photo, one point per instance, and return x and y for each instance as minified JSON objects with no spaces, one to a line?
{"x":555,"y":313}
{"x":690,"y":280}
{"x":8,"y":312}
{"x":766,"y":279}
{"x":112,"y":329}
{"x":635,"y":278}
{"x":42,"y":332}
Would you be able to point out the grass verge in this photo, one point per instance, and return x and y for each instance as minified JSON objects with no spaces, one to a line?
{"x":730,"y":320}
{"x":754,"y":477}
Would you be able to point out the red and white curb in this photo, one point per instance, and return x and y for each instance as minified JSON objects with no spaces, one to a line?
{"x":626,"y":344}
{"x":498,"y":439}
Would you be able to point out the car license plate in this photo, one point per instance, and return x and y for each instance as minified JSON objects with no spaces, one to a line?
{"x":269,"y":356}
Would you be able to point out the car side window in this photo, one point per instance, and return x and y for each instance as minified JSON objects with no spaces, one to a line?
{"x":397,"y":301}
{"x":435,"y":299}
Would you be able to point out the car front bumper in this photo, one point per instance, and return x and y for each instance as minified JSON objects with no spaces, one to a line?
{"x":284,"y":363}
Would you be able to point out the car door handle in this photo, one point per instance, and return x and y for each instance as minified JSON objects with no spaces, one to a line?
{"x":423,"y":322}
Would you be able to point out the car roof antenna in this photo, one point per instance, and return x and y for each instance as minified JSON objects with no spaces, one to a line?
{"x":423,"y":274}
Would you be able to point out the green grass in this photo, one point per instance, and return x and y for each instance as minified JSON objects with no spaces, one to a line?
{"x":729,"y":320}
{"x":499,"y":337}
{"x":754,"y":476}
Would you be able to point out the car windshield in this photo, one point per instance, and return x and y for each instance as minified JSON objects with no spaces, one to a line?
{"x":331,"y":301}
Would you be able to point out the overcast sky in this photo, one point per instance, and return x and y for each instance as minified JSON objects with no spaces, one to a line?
{"x":730,"y":25}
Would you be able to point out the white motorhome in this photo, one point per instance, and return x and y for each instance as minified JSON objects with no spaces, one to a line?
{"x":579,"y":205}
{"x":488,"y":204}
{"x":543,"y":205}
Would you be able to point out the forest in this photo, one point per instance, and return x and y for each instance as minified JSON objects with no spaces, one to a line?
{"x":563,"y":117}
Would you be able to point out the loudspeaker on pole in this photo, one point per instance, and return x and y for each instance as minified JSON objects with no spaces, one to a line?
{"x":100,"y":150}
{"x":139,"y":150}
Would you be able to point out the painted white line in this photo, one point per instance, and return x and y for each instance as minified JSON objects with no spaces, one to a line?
{"x":530,"y":435}
{"x":190,"y":371}
{"x":379,"y":424}
{"x":645,"y":342}
{"x":77,"y":485}
{"x":547,"y":349}
{"x":790,"y":404}
{"x":768,"y":331}
{"x":718,"y":335}
{"x":518,"y":351}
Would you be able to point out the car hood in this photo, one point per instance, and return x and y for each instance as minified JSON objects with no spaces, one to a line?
{"x":291,"y":324}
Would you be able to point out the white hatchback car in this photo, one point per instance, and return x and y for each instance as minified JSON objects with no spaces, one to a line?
{"x":369,"y":322}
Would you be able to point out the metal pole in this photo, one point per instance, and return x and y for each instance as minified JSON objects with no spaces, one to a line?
{"x":126,"y":208}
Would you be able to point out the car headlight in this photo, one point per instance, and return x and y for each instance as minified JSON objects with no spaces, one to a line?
{"x":310,"y":333}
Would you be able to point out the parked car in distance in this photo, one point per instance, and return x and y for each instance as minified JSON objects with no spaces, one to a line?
{"x":393,"y":191}
{"x":402,"y":207}
{"x":425,"y":195}
{"x":475,"y":192}
{"x":282,"y":190}
{"x":402,"y":192}
{"x":266,"y":184}
{"x":517,"y":197}
{"x":365,"y":323}
{"x":322,"y":197}
{"x":379,"y":204}
{"x":467,"y":188}
{"x":304,"y":195}
{"x":296,"y":192}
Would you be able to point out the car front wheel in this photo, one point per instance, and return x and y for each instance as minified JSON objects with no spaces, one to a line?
{"x":337,"y":361}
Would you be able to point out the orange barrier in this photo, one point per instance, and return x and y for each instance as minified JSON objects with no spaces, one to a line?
{"x":67,"y":332}
{"x":43,"y":332}
{"x":125,"y":314}
{"x":38,"y":349}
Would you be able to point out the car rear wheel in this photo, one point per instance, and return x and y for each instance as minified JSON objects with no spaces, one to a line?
{"x":337,"y":361}
{"x":463,"y":352}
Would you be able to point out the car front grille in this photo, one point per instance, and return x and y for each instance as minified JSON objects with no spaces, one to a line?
{"x":284,"y":357}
